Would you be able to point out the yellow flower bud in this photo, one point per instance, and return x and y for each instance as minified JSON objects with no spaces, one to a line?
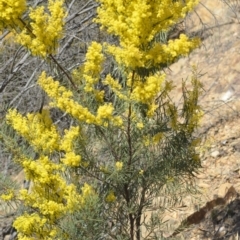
{"x":111,"y":197}
{"x":119,"y":165}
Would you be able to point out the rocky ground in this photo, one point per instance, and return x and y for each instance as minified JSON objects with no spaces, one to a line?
{"x":214,"y":213}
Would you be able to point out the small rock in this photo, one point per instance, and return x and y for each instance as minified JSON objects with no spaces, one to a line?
{"x":215,"y":154}
{"x":224,"y":142}
{"x":7,"y":237}
{"x":227,"y":96}
{"x":220,"y":231}
{"x":223,"y":189}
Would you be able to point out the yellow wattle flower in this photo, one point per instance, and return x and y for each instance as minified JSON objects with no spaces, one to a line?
{"x":46,"y":29}
{"x":137,"y":23}
{"x":11,"y":11}
{"x":110,"y":197}
{"x":119,"y":165}
{"x":7,"y":196}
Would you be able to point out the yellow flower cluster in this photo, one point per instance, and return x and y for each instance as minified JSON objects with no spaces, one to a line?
{"x":29,"y":223}
{"x":162,"y":53}
{"x":119,"y":165}
{"x":113,"y":84}
{"x":137,"y":22}
{"x":67,"y":145}
{"x":146,"y":91}
{"x":71,"y":159}
{"x":140,"y":125}
{"x":104,"y":170}
{"x":68,"y":139}
{"x":46,"y":29}
{"x":157,"y":137}
{"x":110,"y":197}
{"x":62,"y":99}
{"x":10,"y":12}
{"x":37,"y":129}
{"x":115,"y":87}
{"x":8,"y":196}
{"x":129,"y":55}
{"x":93,"y":66}
{"x":105,"y":114}
{"x":151,"y":109}
{"x":181,"y":46}
{"x":87,"y":190}
{"x":89,"y":73}
{"x":105,"y":111}
{"x":134,"y":57}
{"x":50,"y":195}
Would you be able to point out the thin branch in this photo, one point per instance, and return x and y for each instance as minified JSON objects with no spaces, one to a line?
{"x":81,"y":11}
{"x":129,"y":139}
{"x":59,"y":65}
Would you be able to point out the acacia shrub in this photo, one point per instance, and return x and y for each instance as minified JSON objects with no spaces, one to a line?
{"x":127,"y":142}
